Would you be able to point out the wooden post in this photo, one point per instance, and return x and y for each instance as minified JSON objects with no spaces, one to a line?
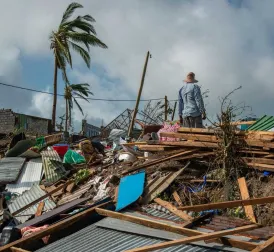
{"x":139,"y":96}
{"x":165,"y":108}
{"x":174,"y":109}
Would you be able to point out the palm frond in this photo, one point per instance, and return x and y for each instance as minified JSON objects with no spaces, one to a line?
{"x":86,"y":38}
{"x":80,"y":24}
{"x":83,"y":53}
{"x":89,"y":18}
{"x":62,"y":49}
{"x":69,"y":11}
{"x":78,"y":105}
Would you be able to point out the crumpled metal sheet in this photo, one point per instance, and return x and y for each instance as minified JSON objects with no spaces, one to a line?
{"x":52,"y":163}
{"x":26,"y":198}
{"x":30,"y":175}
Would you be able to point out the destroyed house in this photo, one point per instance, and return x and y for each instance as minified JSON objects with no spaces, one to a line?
{"x":10,"y":121}
{"x":90,"y":130}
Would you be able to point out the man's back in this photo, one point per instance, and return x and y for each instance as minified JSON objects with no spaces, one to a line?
{"x":190,"y":100}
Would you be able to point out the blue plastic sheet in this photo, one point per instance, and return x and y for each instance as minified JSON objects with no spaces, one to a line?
{"x":130,"y":189}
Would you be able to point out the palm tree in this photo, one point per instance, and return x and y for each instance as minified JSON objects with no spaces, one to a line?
{"x":77,"y":34}
{"x":72,"y":92}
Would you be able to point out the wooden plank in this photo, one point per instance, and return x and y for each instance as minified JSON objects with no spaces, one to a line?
{"x":195,"y":137}
{"x":259,"y":160}
{"x":134,"y":143}
{"x":162,"y":185}
{"x":173,"y":209}
{"x":269,"y":156}
{"x":196,"y":130}
{"x":261,"y":167}
{"x":175,"y":229}
{"x":258,"y":143}
{"x":191,"y":144}
{"x":158,"y":161}
{"x":245,"y":195}
{"x":177,"y":198}
{"x":70,"y":187}
{"x":228,"y":204}
{"x":52,"y":229}
{"x":155,"y":147}
{"x":14,"y":249}
{"x":40,"y":209}
{"x":193,"y":239}
{"x":254,"y":152}
{"x":198,"y":155}
{"x":267,"y":246}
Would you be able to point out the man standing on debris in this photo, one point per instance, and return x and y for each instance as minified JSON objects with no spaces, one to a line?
{"x":191,"y":104}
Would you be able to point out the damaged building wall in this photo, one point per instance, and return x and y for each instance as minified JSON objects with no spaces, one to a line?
{"x":9,"y":121}
{"x":90,"y":130}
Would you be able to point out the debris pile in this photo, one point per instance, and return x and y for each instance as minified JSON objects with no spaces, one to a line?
{"x":202,"y":183}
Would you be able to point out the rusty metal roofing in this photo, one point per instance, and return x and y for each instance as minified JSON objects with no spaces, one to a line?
{"x":53,"y":167}
{"x":99,"y":239}
{"x":27,"y":197}
{"x":30,"y":175}
{"x":10,"y":168}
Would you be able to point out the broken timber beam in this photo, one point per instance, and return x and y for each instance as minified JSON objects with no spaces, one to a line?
{"x":40,"y":208}
{"x":193,"y":239}
{"x":267,"y":246}
{"x":173,"y":209}
{"x":175,"y":229}
{"x":191,"y":144}
{"x":52,"y":229}
{"x":259,"y":160}
{"x":195,"y":137}
{"x":14,"y":249}
{"x":177,"y":198}
{"x":228,"y":204}
{"x":245,"y":195}
{"x":158,"y":161}
{"x":261,"y":167}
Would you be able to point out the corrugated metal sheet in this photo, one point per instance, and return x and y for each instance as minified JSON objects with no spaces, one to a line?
{"x":264,"y":124}
{"x":96,"y":239}
{"x":161,"y":214}
{"x":30,"y":175}
{"x":46,"y":217}
{"x":27,"y":197}
{"x":77,"y":194}
{"x":10,"y":168}
{"x":52,"y":163}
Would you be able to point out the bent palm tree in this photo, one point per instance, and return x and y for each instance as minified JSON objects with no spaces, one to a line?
{"x":72,"y":92}
{"x":77,"y":34}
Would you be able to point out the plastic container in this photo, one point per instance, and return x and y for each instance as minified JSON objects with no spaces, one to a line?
{"x":61,"y":149}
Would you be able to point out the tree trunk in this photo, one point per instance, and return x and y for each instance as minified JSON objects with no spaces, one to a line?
{"x":66,"y":124}
{"x":54,"y":95}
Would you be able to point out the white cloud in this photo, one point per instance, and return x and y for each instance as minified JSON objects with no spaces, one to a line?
{"x":226,"y":47}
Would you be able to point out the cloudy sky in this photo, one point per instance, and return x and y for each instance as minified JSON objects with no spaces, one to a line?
{"x":227,"y":43}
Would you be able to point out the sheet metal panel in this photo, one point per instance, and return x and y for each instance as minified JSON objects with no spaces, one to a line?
{"x":27,"y":197}
{"x":53,"y":167}
{"x":10,"y":168}
{"x":92,"y":238}
{"x":30,"y":175}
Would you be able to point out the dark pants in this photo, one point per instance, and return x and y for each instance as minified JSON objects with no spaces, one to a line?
{"x":193,"y":122}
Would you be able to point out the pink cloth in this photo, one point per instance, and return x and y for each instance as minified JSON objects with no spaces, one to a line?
{"x":26,"y":231}
{"x":169,"y":128}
